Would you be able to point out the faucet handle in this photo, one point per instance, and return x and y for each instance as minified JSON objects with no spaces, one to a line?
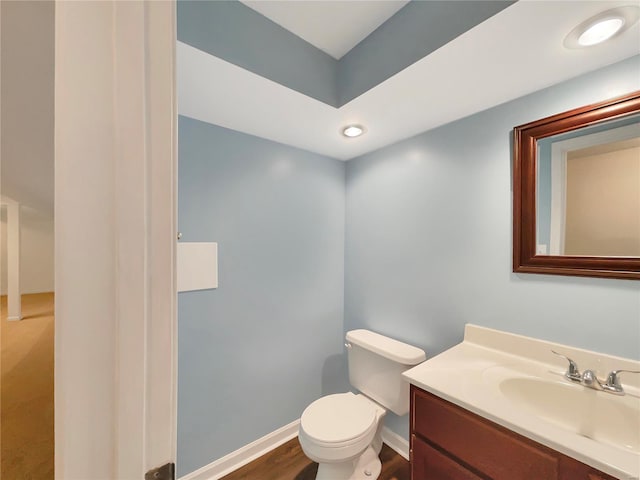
{"x":613,"y":381}
{"x":573,"y":372}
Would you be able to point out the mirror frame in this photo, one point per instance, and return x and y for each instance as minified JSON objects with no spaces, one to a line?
{"x":525,"y":138}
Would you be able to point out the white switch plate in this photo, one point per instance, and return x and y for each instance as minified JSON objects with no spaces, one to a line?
{"x":197,"y":265}
{"x":541,"y":249}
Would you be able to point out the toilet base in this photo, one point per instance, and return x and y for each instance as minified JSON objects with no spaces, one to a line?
{"x":366,"y":467}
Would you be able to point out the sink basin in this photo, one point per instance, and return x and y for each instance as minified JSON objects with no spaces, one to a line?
{"x":603,"y":417}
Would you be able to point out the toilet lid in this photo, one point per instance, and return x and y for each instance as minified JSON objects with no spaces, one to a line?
{"x":338,"y":418}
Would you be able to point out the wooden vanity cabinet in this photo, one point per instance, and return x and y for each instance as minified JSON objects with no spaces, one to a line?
{"x":451,"y":443}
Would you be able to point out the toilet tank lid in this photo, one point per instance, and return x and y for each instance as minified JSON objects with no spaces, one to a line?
{"x":387,"y":347}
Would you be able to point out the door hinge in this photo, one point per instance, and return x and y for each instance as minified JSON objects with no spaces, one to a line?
{"x":165,"y":472}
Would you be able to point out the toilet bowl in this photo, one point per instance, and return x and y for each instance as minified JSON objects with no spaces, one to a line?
{"x":342,"y":432}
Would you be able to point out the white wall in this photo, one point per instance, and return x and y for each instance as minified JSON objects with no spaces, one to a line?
{"x":36,"y":253}
{"x":27,"y":55}
{"x":27,"y":58}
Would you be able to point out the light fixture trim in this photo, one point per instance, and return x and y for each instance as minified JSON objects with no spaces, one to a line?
{"x":599,"y":28}
{"x":353,"y":130}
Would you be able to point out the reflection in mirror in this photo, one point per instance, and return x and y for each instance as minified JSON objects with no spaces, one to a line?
{"x":588,"y":191}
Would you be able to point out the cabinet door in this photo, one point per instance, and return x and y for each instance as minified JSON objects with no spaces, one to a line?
{"x":427,"y":463}
{"x":495,"y":451}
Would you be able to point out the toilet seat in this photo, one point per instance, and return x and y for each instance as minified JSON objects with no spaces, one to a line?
{"x":339,"y":420}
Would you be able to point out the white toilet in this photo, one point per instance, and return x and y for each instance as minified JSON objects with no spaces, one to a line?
{"x":342,"y":432}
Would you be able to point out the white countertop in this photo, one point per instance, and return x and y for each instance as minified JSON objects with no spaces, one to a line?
{"x":468,"y":375}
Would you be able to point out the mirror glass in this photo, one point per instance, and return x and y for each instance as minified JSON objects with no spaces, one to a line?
{"x":588,"y":191}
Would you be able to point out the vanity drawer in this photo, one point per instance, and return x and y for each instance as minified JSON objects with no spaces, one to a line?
{"x":478,"y":443}
{"x":430,"y":464}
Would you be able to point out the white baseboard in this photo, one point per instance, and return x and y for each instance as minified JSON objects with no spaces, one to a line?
{"x":246,"y":454}
{"x":396,"y":442}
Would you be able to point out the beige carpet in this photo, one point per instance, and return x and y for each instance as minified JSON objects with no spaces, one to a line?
{"x":26,"y":390}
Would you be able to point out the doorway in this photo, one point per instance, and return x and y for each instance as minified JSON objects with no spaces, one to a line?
{"x":27,"y":253}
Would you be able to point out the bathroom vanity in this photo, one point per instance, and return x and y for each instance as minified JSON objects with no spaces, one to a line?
{"x":499,"y":406}
{"x":451,"y":443}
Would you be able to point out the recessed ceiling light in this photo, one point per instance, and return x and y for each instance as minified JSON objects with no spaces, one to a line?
{"x":602,"y":27}
{"x":600,"y":31}
{"x":352,"y":131}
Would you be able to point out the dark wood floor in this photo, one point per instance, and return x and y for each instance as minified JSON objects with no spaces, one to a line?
{"x":288,"y":462}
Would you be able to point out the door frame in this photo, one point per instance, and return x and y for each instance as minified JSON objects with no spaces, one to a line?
{"x":115,"y":208}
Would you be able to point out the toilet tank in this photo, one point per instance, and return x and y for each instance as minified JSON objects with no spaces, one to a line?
{"x":376,"y":364}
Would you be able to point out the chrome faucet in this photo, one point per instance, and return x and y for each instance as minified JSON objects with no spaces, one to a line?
{"x":572,"y":373}
{"x":613,"y":381}
{"x":589,"y":378}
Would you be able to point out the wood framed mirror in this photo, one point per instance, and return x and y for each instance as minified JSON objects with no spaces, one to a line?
{"x":576,"y":192}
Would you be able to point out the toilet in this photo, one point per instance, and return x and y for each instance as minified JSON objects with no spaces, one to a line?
{"x":342,"y":432}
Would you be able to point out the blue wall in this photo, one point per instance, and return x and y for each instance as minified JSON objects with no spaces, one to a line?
{"x":543,"y":195}
{"x":255,"y":352}
{"x":428,"y":245}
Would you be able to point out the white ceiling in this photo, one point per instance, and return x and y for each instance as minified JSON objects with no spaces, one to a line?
{"x":334,"y":27}
{"x":515,"y":52}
